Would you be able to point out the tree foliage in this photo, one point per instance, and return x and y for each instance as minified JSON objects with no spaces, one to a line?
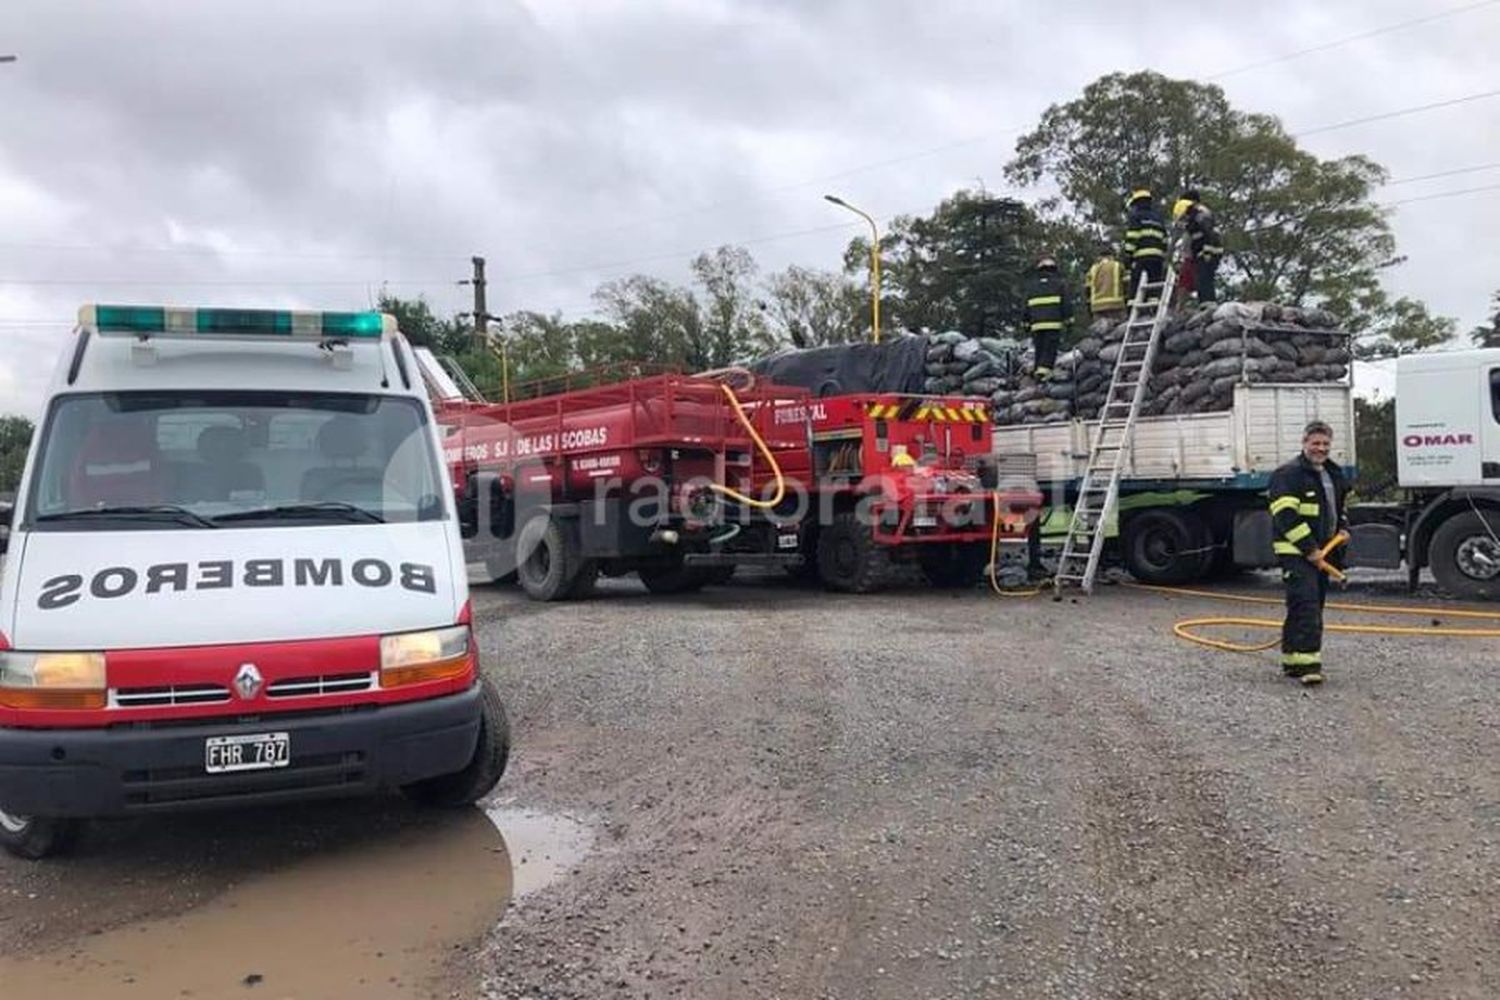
{"x":810,"y":308}
{"x":15,"y":438}
{"x":1375,"y":447}
{"x":964,"y":267}
{"x":1488,"y":334}
{"x":1298,"y":230}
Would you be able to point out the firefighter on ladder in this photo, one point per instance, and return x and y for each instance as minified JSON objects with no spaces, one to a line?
{"x":1145,"y":242}
{"x":1307,"y":511}
{"x":1048,"y":310}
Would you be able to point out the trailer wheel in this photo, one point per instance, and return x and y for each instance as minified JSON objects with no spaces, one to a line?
{"x":849,"y":560}
{"x":549,"y":562}
{"x":955,"y":566}
{"x":1465,"y":557}
{"x":1166,"y":546}
{"x":491,"y":752}
{"x":37,"y":837}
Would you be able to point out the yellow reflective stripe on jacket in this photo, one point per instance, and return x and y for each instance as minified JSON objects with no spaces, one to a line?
{"x":1309,"y":509}
{"x":1045,"y":300}
{"x":1285,"y":503}
{"x":1299,"y":531}
{"x":1046,"y":325}
{"x":1148,"y":252}
{"x":1285,"y":548}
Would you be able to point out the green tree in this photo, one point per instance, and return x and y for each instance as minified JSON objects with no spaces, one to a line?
{"x":423,"y":329}
{"x":1375,"y":445}
{"x":1488,"y":335}
{"x":732,"y":323}
{"x":811,"y":308}
{"x":963,"y":268}
{"x":658,"y":321}
{"x":1298,"y":230}
{"x":15,"y":438}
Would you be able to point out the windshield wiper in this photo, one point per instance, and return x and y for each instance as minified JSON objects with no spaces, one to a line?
{"x":337,"y":508}
{"x":157,"y":511}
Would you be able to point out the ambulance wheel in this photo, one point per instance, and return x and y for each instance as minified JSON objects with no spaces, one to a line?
{"x":549,"y":563}
{"x":474,"y":782}
{"x":36,"y":837}
{"x":673,"y":578}
{"x":953,"y":567}
{"x":1465,"y":557}
{"x":849,"y":560}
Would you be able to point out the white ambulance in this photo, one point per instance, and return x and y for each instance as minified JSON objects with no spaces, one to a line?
{"x":234,"y":577}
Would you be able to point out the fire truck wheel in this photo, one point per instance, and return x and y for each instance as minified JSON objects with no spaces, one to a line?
{"x":35,"y":837}
{"x":549,"y":562}
{"x":849,"y":560}
{"x":673,"y":578}
{"x":954,"y":566}
{"x":474,"y":782}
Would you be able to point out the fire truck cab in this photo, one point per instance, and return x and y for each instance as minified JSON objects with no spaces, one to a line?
{"x":234,"y":577}
{"x":902,"y":479}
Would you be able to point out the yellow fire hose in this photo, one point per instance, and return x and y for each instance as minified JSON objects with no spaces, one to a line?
{"x":734,"y":494}
{"x":1184,"y":629}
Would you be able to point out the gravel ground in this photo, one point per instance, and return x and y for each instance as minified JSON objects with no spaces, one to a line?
{"x":917,"y":794}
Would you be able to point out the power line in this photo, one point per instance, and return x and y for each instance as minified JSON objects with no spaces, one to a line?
{"x":1444,"y":173}
{"x":1441,"y":194}
{"x":211,"y":252}
{"x":1398,"y":113}
{"x":1325,"y":46}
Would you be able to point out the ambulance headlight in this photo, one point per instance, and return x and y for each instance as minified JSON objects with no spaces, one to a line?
{"x":419,"y":657}
{"x":52,"y":680}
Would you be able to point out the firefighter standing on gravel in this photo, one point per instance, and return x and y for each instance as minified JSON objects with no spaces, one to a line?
{"x":1307,"y":511}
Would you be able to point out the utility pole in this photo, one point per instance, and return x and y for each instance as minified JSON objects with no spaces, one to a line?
{"x":481,"y":313}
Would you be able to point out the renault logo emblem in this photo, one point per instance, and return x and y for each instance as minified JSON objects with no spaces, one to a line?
{"x":248,"y":681}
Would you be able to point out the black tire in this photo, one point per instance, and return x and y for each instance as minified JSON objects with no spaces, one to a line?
{"x":953,"y":566}
{"x":586,"y":580}
{"x":37,"y":837}
{"x":549,"y":563}
{"x":1455,"y":554}
{"x":1167,"y":546}
{"x":673,"y":578}
{"x":491,"y":753}
{"x":849,"y":560}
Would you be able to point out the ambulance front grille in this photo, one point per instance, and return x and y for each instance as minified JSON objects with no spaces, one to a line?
{"x":179,"y":694}
{"x":310,"y":687}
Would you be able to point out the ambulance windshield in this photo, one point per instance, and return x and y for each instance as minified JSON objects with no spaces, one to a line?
{"x":233,"y":459}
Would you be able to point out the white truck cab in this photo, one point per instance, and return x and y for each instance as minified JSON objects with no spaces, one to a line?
{"x":234,"y":576}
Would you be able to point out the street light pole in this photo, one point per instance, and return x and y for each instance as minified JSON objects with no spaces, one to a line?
{"x":874,"y":263}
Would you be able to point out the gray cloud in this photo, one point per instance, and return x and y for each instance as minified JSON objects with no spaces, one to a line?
{"x":307,"y":152}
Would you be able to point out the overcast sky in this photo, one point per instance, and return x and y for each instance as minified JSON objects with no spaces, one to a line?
{"x":311,"y":153}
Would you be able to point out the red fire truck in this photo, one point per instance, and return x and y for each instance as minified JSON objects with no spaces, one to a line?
{"x":680,"y":479}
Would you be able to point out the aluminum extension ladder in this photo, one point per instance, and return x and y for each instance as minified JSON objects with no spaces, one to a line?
{"x":1099,"y":493}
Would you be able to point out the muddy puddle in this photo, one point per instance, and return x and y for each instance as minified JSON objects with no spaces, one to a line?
{"x":389,"y":917}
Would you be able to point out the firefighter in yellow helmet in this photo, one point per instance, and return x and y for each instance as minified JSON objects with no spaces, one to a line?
{"x":1145,"y":243}
{"x":1204,"y":246}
